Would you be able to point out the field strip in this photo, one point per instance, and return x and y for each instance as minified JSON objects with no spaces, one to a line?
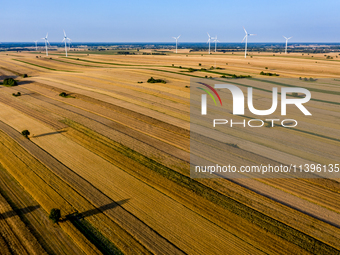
{"x":115,"y":97}
{"x":48,"y":68}
{"x":148,"y":112}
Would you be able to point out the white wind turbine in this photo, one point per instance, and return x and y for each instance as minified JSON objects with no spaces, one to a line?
{"x":246,"y":37}
{"x":65,"y":40}
{"x":36,"y":46}
{"x":215,"y":40}
{"x":176,"y":38}
{"x":46,"y":41}
{"x":209,"y":42}
{"x":287,"y":42}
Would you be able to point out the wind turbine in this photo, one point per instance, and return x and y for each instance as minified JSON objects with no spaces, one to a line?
{"x":64,"y":40}
{"x":209,"y":42}
{"x":36,"y":47}
{"x":215,"y":40}
{"x":246,"y":37}
{"x":46,"y":41}
{"x":287,"y":42}
{"x":176,"y":38}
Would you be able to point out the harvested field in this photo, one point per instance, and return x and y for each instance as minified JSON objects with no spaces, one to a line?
{"x":115,"y":157}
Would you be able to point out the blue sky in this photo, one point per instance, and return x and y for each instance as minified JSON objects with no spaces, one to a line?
{"x":158,"y":21}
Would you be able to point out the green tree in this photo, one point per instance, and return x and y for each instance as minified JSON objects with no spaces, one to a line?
{"x":9,"y":82}
{"x":55,"y":215}
{"x":25,"y":133}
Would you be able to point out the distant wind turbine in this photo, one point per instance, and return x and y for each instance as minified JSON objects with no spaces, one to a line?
{"x":215,"y":40}
{"x":36,"y":47}
{"x":176,"y":38}
{"x":287,"y":42}
{"x":46,"y":41}
{"x":246,"y":37}
{"x":65,"y":40}
{"x":209,"y":42}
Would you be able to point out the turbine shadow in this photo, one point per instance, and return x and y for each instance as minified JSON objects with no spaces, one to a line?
{"x":18,"y":212}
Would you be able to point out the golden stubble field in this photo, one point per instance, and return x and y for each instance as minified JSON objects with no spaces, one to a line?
{"x":114,"y":157}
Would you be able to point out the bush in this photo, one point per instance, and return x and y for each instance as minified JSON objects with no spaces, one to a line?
{"x":199,"y":64}
{"x":152,"y":80}
{"x":55,"y":215}
{"x":269,"y":74}
{"x":24,"y":76}
{"x":9,"y":82}
{"x":25,"y":133}
{"x":191,"y":70}
{"x":17,"y":94}
{"x":63,"y":94}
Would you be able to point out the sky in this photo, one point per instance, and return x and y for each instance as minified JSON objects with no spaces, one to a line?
{"x":159,"y":21}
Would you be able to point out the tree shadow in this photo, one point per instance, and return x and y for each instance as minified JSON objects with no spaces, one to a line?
{"x":97,"y":210}
{"x":19,"y":211}
{"x":24,"y":82}
{"x":51,"y":133}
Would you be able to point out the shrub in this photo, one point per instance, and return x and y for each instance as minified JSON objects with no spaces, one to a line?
{"x":9,"y":82}
{"x":63,"y":94}
{"x":199,"y":64}
{"x":180,"y":66}
{"x":152,"y":80}
{"x":140,"y":82}
{"x":187,"y":86}
{"x":55,"y":215}
{"x":294,"y":94}
{"x":17,"y":94}
{"x":269,"y":74}
{"x":173,"y":65}
{"x":25,"y":133}
{"x":266,"y":67}
{"x":24,"y":76}
{"x":191,"y":70}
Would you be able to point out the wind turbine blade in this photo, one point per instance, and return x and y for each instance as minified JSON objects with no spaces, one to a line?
{"x":245,"y":30}
{"x":64,"y":33}
{"x":244,"y":38}
{"x":252,"y":34}
{"x":290,"y":37}
{"x":63,"y":40}
{"x":179,"y":36}
{"x":208,"y":34}
{"x":46,"y":35}
{"x":285,"y":37}
{"x":174,"y":38}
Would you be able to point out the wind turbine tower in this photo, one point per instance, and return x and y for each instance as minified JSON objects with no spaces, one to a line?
{"x":246,"y":37}
{"x":176,"y":38}
{"x":46,"y":42}
{"x":287,"y":42}
{"x":209,"y":42}
{"x":65,"y":40}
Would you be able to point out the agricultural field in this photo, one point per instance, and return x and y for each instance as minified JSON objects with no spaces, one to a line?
{"x":111,"y":151}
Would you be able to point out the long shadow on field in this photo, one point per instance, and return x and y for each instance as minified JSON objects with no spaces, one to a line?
{"x":51,"y":133}
{"x":102,"y":208}
{"x":18,"y":211}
